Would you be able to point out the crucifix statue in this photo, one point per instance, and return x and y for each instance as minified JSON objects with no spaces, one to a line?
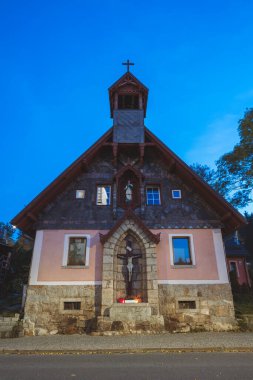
{"x":128,"y":63}
{"x":128,"y":257}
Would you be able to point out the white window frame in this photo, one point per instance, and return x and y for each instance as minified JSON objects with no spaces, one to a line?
{"x":180,"y":194}
{"x":80,"y":194}
{"x":66,"y":251}
{"x":110,"y":198}
{"x":192,"y":251}
{"x":159,"y":192}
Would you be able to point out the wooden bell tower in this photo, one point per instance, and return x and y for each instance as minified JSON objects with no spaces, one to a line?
{"x":128,"y":103}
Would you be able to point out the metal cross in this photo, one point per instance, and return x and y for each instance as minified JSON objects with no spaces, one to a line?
{"x":128,"y":63}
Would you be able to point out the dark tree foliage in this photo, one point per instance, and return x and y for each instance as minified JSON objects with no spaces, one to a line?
{"x":208,"y":175}
{"x":233,"y":178}
{"x":246,"y":232}
{"x":235,"y":169}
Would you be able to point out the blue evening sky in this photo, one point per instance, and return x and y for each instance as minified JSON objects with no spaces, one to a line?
{"x":58,"y":58}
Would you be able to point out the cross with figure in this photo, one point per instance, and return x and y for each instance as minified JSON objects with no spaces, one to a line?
{"x":129,"y":256}
{"x":128,"y":63}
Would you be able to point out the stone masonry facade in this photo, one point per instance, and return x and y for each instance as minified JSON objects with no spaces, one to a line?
{"x":212,"y":307}
{"x":45,"y":314}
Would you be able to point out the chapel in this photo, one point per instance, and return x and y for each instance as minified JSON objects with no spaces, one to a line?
{"x":128,"y":238}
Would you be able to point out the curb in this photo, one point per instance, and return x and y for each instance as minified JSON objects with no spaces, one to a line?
{"x":125,"y":351}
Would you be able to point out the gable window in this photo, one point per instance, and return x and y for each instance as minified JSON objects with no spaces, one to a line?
{"x":176,"y":194}
{"x":80,"y":194}
{"x":103,"y":195}
{"x":153,"y":195}
{"x":76,"y":251}
{"x":181,"y":250}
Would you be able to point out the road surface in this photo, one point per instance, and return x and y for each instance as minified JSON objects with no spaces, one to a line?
{"x":158,"y":366}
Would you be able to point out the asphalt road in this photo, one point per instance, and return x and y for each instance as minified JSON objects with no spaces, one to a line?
{"x":158,"y":366}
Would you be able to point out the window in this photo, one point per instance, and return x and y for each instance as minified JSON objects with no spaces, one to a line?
{"x":103,"y":195}
{"x":176,"y":194}
{"x":182,"y":250}
{"x":76,"y":250}
{"x":153,"y":195}
{"x":80,"y":194}
{"x":186,"y":304}
{"x":233,"y":267}
{"x":72,"y":306}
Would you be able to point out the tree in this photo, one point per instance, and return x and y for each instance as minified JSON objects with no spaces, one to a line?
{"x":210,"y":176}
{"x":7,"y":231}
{"x":235,"y":169}
{"x":233,"y":178}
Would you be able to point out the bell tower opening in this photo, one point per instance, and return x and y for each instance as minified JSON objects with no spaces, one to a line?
{"x":128,"y":102}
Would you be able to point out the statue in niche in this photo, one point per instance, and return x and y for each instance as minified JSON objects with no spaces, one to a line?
{"x":129,"y":192}
{"x":128,"y":257}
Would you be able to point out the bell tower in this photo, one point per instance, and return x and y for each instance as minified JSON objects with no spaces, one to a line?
{"x":128,"y":103}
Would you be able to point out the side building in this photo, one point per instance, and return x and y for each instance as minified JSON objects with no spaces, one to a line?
{"x":128,"y":222}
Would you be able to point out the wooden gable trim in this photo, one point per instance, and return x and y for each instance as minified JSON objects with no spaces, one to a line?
{"x":23,"y":219}
{"x":129,"y":167}
{"x":227,"y":212}
{"x":122,"y":78}
{"x":129,"y":214}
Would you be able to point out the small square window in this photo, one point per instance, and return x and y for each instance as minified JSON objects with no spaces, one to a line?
{"x":153,"y":195}
{"x":176,"y":194}
{"x":80,"y":194}
{"x":181,"y":251}
{"x":77,"y":251}
{"x":103,"y":195}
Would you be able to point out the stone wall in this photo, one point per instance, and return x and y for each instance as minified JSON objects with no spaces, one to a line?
{"x":110,"y":250}
{"x":9,"y":326}
{"x":45,"y":314}
{"x":213,"y":311}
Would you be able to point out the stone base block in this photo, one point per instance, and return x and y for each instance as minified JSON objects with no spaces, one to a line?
{"x":130,"y":319}
{"x":197,"y":307}
{"x":130,"y":312}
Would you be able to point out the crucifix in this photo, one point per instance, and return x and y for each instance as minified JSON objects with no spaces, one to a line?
{"x":128,"y":63}
{"x":129,"y":256}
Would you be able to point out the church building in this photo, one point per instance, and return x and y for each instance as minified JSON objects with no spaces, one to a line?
{"x":128,"y":238}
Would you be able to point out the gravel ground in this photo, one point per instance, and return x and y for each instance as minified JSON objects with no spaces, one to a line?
{"x":208,"y":341}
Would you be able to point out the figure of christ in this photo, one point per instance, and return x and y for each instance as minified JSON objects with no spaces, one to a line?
{"x":129,"y":191}
{"x":129,"y":256}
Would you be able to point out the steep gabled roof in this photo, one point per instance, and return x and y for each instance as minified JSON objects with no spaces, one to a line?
{"x":122,"y":80}
{"x":231,"y":218}
{"x":229,"y":215}
{"x":27,"y":216}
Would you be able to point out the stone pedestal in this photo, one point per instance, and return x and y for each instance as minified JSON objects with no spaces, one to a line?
{"x":130,"y":318}
{"x":130,"y":312}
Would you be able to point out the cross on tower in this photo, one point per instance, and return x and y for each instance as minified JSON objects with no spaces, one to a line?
{"x":128,"y":63}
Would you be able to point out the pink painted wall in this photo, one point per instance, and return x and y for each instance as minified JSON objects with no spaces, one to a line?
{"x":205,"y":268}
{"x":242,"y":273}
{"x":51,"y":269}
